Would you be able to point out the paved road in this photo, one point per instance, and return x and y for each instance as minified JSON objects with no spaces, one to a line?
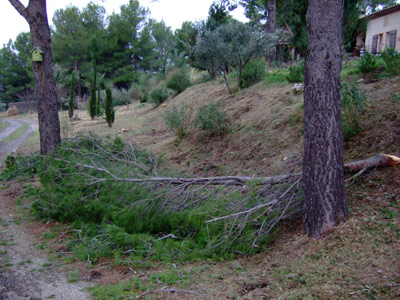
{"x":7,"y":148}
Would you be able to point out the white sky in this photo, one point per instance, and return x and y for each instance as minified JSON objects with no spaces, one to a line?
{"x":173,"y":12}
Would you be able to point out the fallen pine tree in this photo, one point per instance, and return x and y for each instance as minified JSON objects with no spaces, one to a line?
{"x":376,"y":161}
{"x":123,"y":199}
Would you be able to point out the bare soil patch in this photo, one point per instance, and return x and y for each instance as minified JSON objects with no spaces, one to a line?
{"x":26,"y":272}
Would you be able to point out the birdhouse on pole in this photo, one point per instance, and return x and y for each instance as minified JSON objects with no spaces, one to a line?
{"x":37,"y":54}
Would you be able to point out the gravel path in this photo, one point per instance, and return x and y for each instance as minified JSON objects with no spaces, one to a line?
{"x":7,"y":148}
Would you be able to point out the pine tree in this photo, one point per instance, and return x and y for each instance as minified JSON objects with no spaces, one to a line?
{"x":71,"y":97}
{"x":46,"y":93}
{"x":324,"y":197}
{"x":109,"y":109}
{"x":92,"y":101}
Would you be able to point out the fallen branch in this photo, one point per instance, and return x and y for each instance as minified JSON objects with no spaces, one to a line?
{"x":251,"y":210}
{"x":376,"y":161}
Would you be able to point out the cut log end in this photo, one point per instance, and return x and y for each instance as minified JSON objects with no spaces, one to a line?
{"x":376,"y":161}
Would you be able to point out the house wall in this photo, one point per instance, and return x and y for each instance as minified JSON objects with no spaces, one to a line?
{"x":382,"y":27}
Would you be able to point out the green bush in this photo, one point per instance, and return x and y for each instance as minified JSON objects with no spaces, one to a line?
{"x":179,"y":81}
{"x":19,"y":167}
{"x":178,"y":119}
{"x":353,"y":104}
{"x":252,"y":73}
{"x":211,"y":119}
{"x":296,"y":73}
{"x":3,"y":107}
{"x":368,"y":63}
{"x":392,"y":61}
{"x":158,"y":96}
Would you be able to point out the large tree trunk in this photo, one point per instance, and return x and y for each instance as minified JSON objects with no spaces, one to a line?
{"x":323,"y":174}
{"x":45,"y":92}
{"x":270,"y":27}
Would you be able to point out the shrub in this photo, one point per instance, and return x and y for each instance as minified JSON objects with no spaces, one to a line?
{"x":19,"y":166}
{"x":353,"y":104}
{"x":158,"y":96}
{"x":392,"y":61}
{"x":368,"y":63}
{"x":296,"y":73}
{"x":252,"y":73}
{"x":122,"y":96}
{"x":178,"y":119}
{"x":144,"y":98}
{"x":211,"y":119}
{"x":3,"y":107}
{"x":179,"y":81}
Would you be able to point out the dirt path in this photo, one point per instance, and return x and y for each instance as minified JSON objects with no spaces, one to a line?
{"x":25,"y":272}
{"x":6,"y":148}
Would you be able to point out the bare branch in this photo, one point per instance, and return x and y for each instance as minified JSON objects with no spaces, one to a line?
{"x":22,"y":10}
{"x":255,"y":208}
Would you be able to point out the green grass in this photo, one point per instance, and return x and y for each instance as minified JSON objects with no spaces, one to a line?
{"x":278,"y":76}
{"x":17,"y":133}
{"x":24,"y":262}
{"x":4,"y":125}
{"x":349,"y":69}
{"x":73,"y":277}
{"x":123,"y":290}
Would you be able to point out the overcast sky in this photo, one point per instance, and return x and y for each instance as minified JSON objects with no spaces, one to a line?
{"x":173,"y":12}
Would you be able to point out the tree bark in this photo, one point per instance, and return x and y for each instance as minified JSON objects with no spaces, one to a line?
{"x":376,"y":161}
{"x":270,"y":27}
{"x":324,"y":203}
{"x":45,"y":93}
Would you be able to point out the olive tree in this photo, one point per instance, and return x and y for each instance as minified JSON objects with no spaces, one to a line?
{"x":231,"y":46}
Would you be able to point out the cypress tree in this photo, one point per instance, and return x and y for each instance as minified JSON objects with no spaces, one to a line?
{"x":98,"y":99}
{"x":71,"y":97}
{"x":109,"y":109}
{"x":92,"y":101}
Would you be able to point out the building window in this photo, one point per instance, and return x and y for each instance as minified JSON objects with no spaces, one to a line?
{"x":392,"y":39}
{"x":374,"y":47}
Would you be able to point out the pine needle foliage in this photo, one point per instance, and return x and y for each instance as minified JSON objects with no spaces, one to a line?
{"x":110,"y":217}
{"x":109,"y":108}
{"x":71,"y":96}
{"x":92,"y":101}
